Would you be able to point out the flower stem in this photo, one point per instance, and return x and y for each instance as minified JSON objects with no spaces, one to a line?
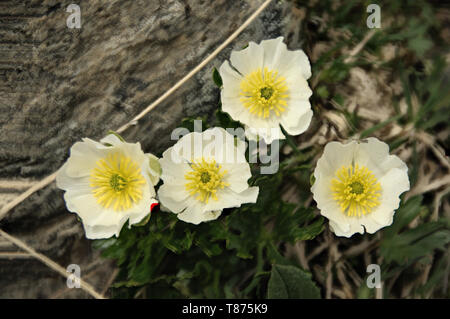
{"x":290,"y":141}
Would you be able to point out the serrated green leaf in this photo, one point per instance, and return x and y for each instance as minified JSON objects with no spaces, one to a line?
{"x":289,"y":282}
{"x":416,"y":243}
{"x":292,"y":226}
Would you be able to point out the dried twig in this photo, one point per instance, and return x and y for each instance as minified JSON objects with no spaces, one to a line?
{"x":437,"y":202}
{"x":50,"y":263}
{"x":299,"y":249}
{"x":438,"y":183}
{"x":317,"y":251}
{"x":110,"y":281}
{"x":430,"y":142}
{"x":360,"y":46}
{"x":14,"y":255}
{"x":16,"y":201}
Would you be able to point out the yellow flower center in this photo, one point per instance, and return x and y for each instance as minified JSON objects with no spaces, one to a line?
{"x":356,"y":190}
{"x":205,"y":179}
{"x":116,"y":182}
{"x":264,"y":92}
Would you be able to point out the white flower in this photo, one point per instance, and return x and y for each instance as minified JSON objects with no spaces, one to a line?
{"x":267,"y":87}
{"x":108,"y":183}
{"x":358,"y":184}
{"x":203,"y":173}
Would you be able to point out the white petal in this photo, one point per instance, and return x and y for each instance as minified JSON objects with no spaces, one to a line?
{"x":374,"y":154}
{"x":268,"y":134}
{"x":173,"y":197}
{"x":194,"y":213}
{"x":367,"y":223}
{"x":374,"y":223}
{"x":231,"y":81}
{"x":154,"y":168}
{"x":173,"y":173}
{"x":297,"y":117}
{"x":273,"y":49}
{"x":138,"y":217}
{"x":230,"y":149}
{"x":189,"y":147}
{"x":393,"y":184}
{"x":278,"y":57}
{"x":353,"y":228}
{"x":332,"y":211}
{"x":211,"y":215}
{"x":234,"y":107}
{"x":217,"y":144}
{"x":328,"y":207}
{"x":335,"y":155}
{"x":79,"y":185}
{"x":227,"y":198}
{"x":134,"y":151}
{"x":338,"y":230}
{"x":100,"y":231}
{"x":83,"y":158}
{"x":111,"y":139}
{"x":237,"y":176}
{"x":297,"y":85}
{"x":295,"y":61}
{"x":141,"y":209}
{"x":249,"y":59}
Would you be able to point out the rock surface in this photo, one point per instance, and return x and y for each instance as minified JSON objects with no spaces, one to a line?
{"x":58,"y":85}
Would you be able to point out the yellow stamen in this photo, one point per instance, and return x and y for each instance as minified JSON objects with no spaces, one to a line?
{"x":205,"y":179}
{"x":116,"y":182}
{"x":356,"y":190}
{"x":264,"y":92}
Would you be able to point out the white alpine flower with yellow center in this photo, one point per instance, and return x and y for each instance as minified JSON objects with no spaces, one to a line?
{"x":108,"y":183}
{"x":203,"y":173}
{"x":267,"y":86}
{"x":358,"y":184}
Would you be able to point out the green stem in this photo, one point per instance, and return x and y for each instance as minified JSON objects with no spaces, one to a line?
{"x":290,"y":141}
{"x":259,"y":269}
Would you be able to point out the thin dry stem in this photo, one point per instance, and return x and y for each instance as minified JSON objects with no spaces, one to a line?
{"x":50,"y":263}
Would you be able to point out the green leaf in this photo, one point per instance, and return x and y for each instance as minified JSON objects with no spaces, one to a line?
{"x":292,"y":226}
{"x":178,"y":243}
{"x":322,"y":91}
{"x":208,"y":248}
{"x":416,"y":243}
{"x":420,"y":45}
{"x":224,"y":120}
{"x":364,"y":292}
{"x":403,"y":216}
{"x":289,"y":282}
{"x":217,"y":78}
{"x":312,"y":179}
{"x":275,"y":257}
{"x":243,"y":232}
